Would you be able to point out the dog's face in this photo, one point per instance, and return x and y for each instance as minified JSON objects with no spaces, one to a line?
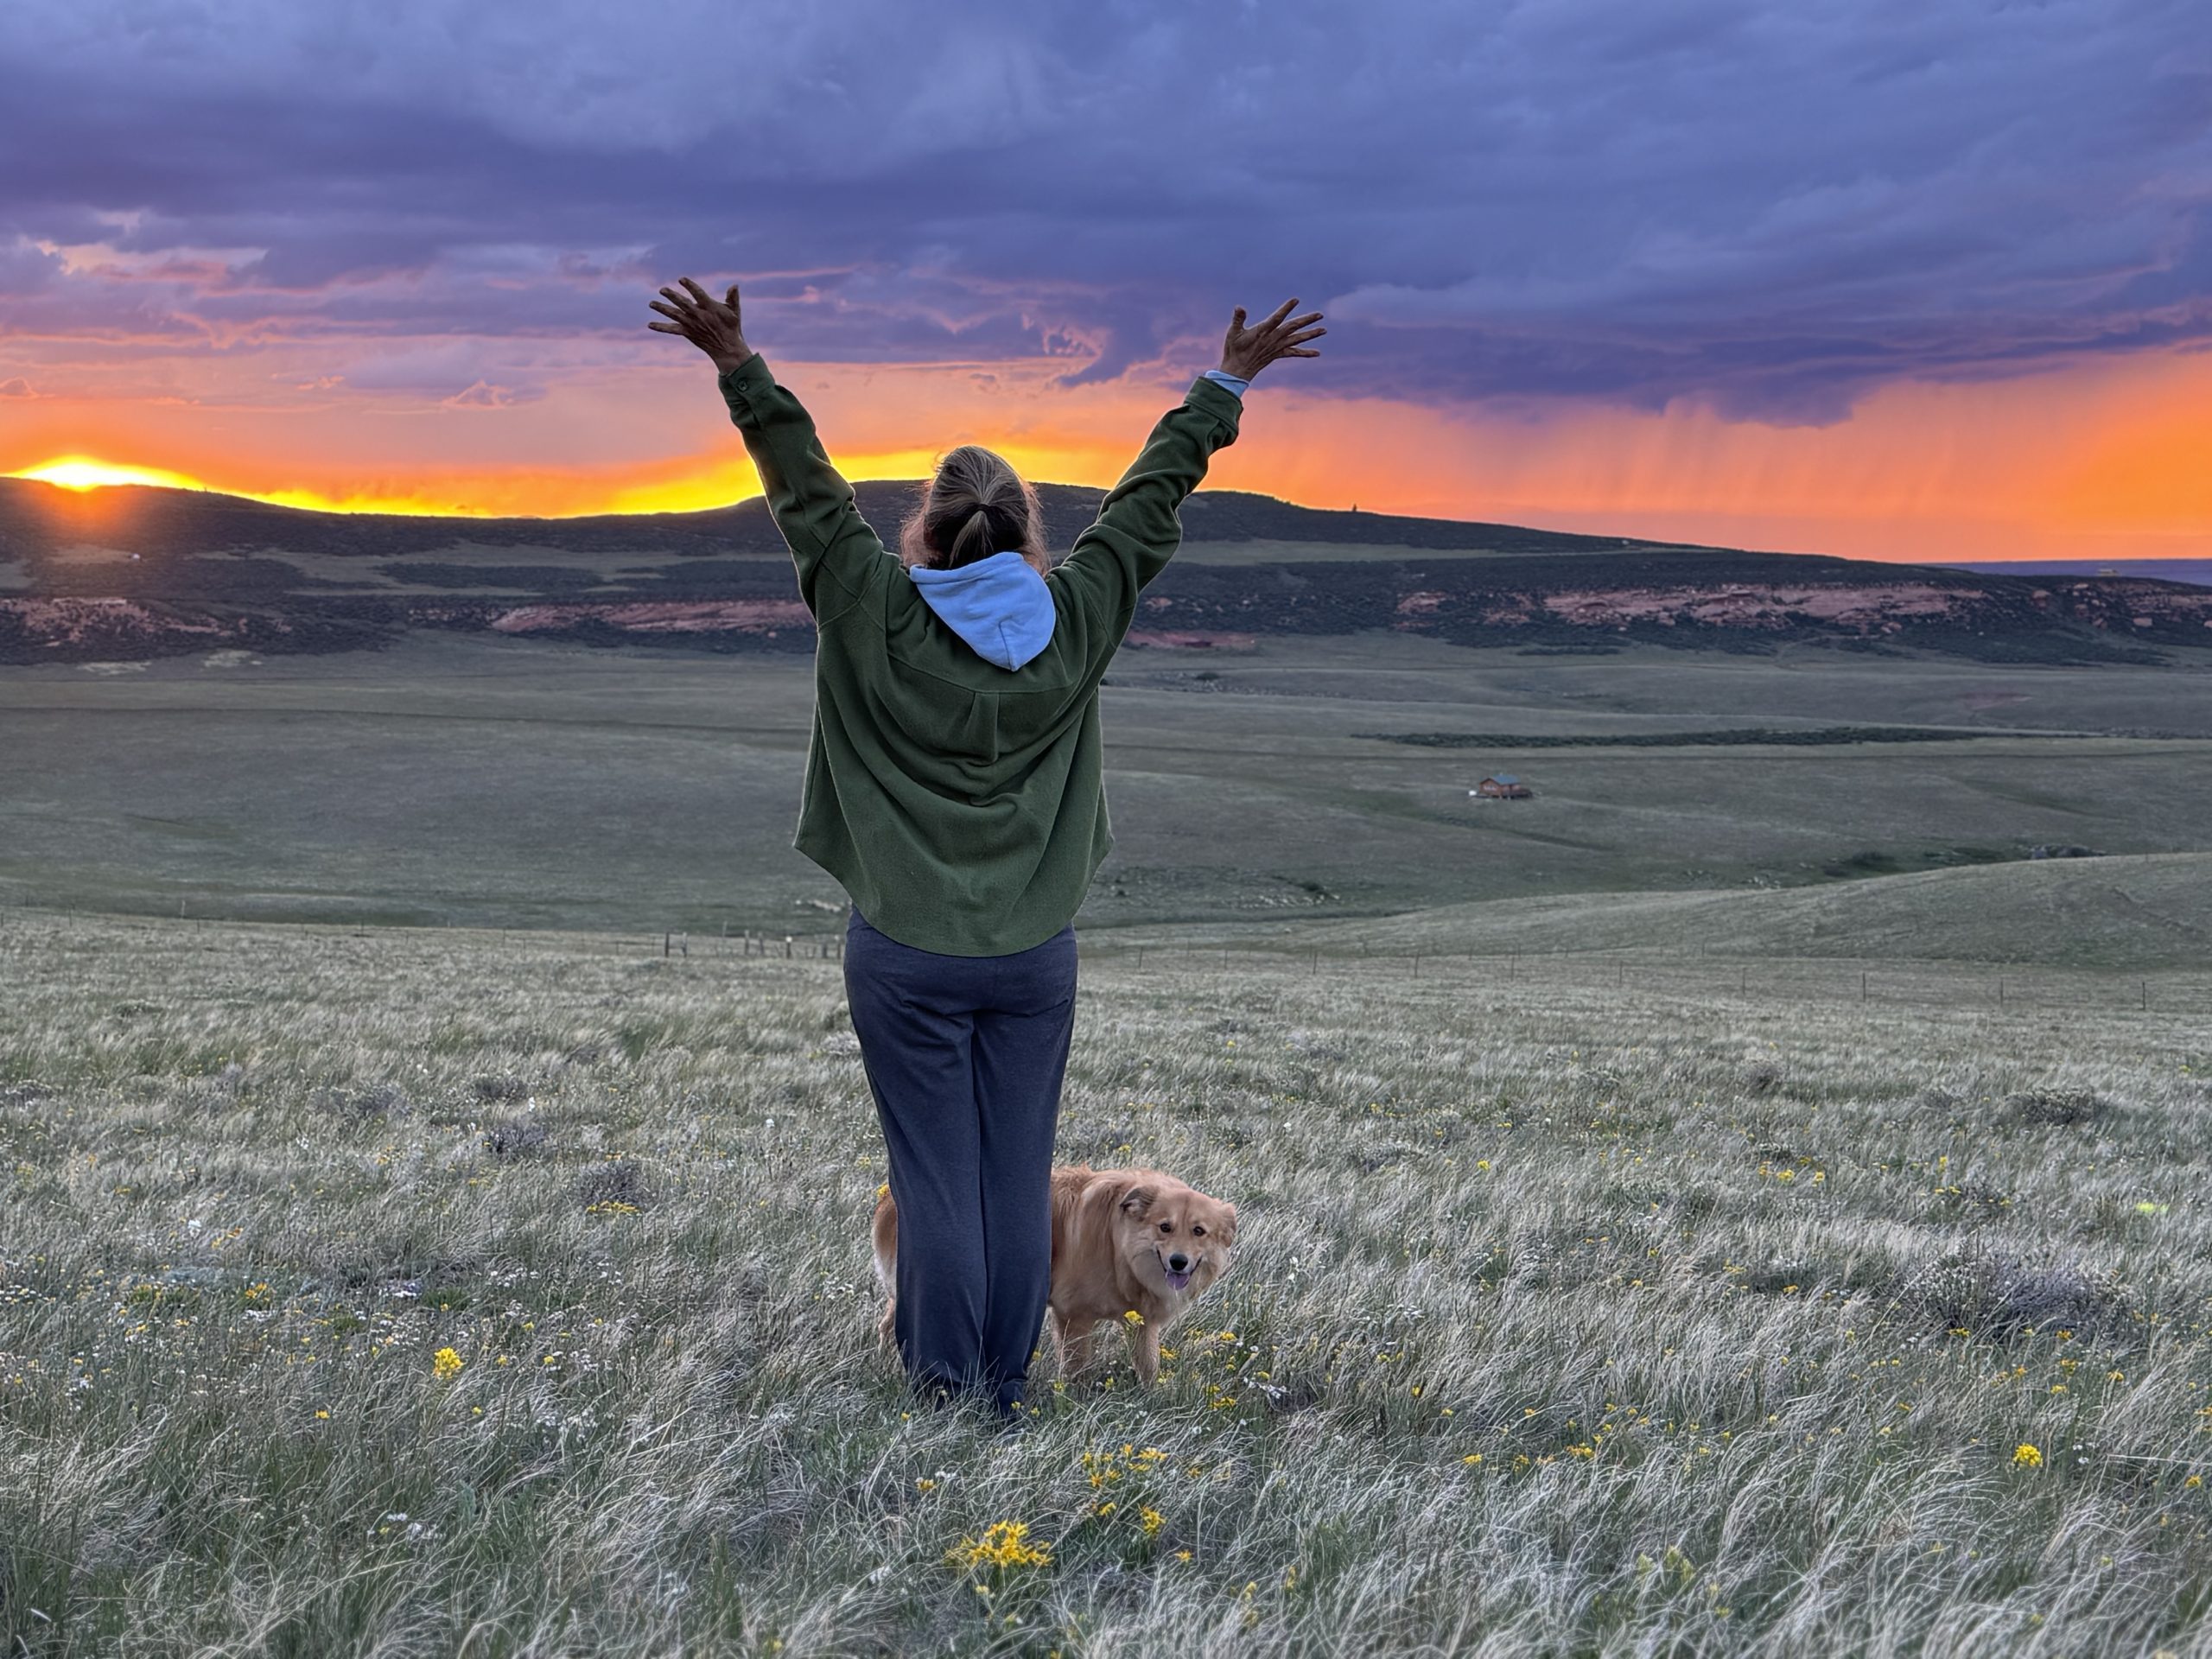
{"x":1174,"y":1238}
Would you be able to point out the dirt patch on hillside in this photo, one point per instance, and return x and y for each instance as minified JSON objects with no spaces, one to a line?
{"x":1761,"y":607}
{"x":1172,"y":639}
{"x":718,"y":616}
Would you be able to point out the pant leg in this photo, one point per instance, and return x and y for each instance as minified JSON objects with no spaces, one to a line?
{"x":917,"y":1032}
{"x":1020,"y":1059}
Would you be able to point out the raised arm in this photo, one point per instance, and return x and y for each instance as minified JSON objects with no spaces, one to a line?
{"x":812,"y":503}
{"x":1138,"y":528}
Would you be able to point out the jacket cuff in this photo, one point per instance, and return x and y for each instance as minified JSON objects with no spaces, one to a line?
{"x":1215,"y":400}
{"x":747,"y":381}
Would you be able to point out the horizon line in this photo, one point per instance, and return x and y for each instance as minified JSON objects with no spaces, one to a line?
{"x":300,"y":501}
{"x":306,"y":502}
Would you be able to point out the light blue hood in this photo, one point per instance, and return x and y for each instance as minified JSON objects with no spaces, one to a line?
{"x":999,"y":605}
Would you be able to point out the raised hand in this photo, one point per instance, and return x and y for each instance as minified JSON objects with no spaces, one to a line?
{"x":1245,"y":352}
{"x":710,"y":324}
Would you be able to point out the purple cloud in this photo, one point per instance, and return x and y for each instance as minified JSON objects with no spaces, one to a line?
{"x":1770,"y":208}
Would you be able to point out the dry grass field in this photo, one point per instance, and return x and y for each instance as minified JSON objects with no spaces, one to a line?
{"x":433,"y":1292}
{"x":2113,"y":916}
{"x":475,"y":782}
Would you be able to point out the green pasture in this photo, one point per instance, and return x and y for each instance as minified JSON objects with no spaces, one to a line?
{"x":468,"y":780}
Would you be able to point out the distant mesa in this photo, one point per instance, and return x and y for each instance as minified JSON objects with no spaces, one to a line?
{"x":133,"y":571}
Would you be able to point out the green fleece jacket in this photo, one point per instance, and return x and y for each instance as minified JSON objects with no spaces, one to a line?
{"x":962,"y":805}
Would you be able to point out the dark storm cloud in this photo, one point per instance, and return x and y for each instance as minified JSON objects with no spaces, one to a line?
{"x":1768,"y":207}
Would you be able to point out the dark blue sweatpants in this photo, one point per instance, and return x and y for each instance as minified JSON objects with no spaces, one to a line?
{"x":965,"y":1055}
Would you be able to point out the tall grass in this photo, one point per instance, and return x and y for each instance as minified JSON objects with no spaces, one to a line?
{"x":432,"y":1292}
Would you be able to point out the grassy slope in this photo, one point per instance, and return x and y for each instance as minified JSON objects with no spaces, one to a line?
{"x":2106,"y":912}
{"x":1565,"y":1320}
{"x":501,"y":782}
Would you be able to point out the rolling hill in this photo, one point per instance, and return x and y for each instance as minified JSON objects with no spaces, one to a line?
{"x":2135,"y":912}
{"x":132,"y":574}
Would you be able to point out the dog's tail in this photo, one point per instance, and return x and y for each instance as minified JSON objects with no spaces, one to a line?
{"x":886,"y":1263}
{"x":886,"y":1238}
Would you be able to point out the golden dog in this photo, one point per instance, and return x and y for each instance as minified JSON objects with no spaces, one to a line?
{"x":1123,"y":1241}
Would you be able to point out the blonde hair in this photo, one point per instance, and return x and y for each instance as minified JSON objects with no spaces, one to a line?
{"x":974,"y":506}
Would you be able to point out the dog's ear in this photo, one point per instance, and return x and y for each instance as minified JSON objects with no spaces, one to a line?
{"x":1136,"y":1198}
{"x":1229,"y":1233}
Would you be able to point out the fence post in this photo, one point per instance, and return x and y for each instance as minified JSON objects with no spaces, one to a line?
{"x":664,"y":939}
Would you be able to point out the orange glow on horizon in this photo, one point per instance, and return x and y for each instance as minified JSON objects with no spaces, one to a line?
{"x":2095,"y":460}
{"x":85,"y":473}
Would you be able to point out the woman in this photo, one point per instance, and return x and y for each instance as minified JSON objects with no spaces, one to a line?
{"x":954,"y":787}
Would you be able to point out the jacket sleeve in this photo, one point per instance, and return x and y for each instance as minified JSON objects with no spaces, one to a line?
{"x":837,"y":553}
{"x":1138,"y":528}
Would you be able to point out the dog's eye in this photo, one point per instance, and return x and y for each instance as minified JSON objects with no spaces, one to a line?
{"x":1167,"y":1226}
{"x":1198,"y":1232}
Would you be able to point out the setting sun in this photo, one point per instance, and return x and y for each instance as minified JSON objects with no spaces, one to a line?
{"x":83,"y":473}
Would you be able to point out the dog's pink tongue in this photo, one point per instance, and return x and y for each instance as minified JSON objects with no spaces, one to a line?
{"x":1176,"y":1281}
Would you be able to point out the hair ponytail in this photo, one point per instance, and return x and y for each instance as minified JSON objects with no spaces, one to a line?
{"x":974,"y":506}
{"x":973,"y":541}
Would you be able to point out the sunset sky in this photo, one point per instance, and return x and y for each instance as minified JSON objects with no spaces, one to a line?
{"x":1900,"y":278}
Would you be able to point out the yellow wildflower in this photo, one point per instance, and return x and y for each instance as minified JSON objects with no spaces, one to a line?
{"x":1006,"y":1543}
{"x":2027,"y":1457}
{"x":445,"y":1364}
